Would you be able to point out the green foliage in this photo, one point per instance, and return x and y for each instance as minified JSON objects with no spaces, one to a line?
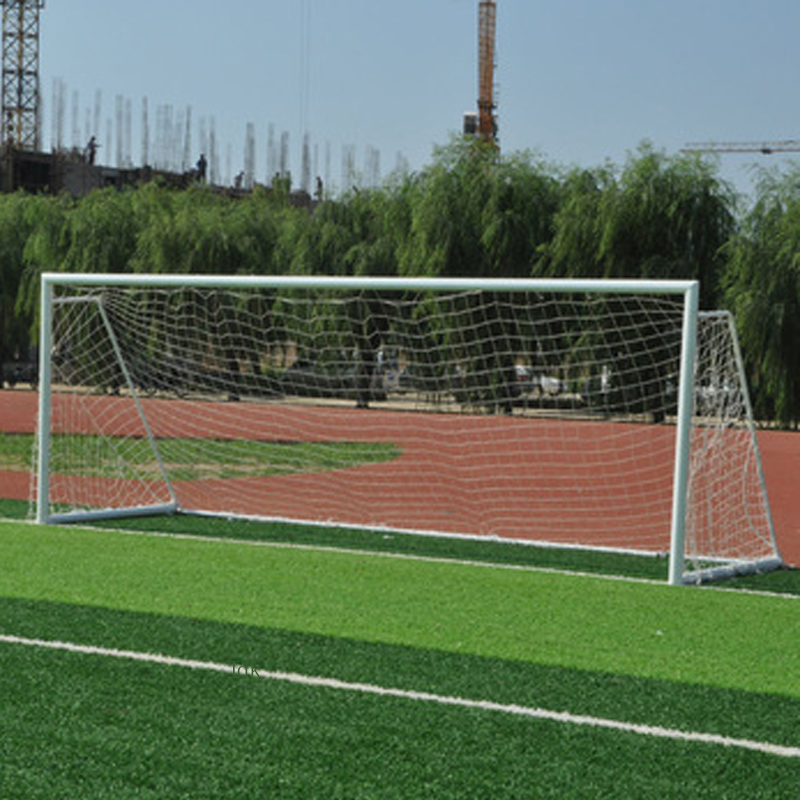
{"x":201,"y":233}
{"x":668,"y":218}
{"x":446,"y":213}
{"x":574,"y":249}
{"x":518,"y":217}
{"x":101,"y":231}
{"x":470,"y":213}
{"x":17,"y":223}
{"x":763,"y":289}
{"x":662,"y":218}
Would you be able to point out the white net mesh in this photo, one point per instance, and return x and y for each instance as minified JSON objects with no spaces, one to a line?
{"x":728,"y":510}
{"x":545,"y":417}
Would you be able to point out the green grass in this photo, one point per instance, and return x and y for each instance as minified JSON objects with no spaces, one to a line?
{"x":100,"y":728}
{"x":119,"y":730}
{"x":192,"y":459}
{"x":492,"y":552}
{"x":16,"y":451}
{"x":14,"y":509}
{"x":667,"y":703}
{"x":487,"y":551}
{"x":93,"y":727}
{"x":623,"y":628}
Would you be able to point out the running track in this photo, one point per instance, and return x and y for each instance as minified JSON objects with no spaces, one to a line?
{"x":414,"y":496}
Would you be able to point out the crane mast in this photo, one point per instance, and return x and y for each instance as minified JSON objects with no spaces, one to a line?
{"x":487,"y":122}
{"x":20,"y":111}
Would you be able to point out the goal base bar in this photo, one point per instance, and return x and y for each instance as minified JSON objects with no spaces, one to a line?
{"x":736,"y":570}
{"x":167,"y":509}
{"x":720,"y":572}
{"x":543,"y":544}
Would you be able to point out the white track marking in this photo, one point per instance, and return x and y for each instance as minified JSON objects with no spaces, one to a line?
{"x":562,"y":717}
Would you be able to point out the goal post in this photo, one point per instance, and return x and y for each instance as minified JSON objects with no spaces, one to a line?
{"x":691,"y":302}
{"x":578,"y":413}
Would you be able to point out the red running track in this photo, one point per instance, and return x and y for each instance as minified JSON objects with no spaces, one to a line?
{"x":420,"y":500}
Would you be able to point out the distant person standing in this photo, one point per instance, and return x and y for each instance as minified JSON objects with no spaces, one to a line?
{"x":202,"y":168}
{"x":91,"y":151}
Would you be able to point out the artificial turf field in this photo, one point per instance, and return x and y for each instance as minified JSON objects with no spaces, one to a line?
{"x":213,"y":663}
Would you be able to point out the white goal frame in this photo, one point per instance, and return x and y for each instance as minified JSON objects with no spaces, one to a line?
{"x":687,"y":290}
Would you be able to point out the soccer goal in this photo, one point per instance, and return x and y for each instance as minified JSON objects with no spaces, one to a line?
{"x":597,"y":414}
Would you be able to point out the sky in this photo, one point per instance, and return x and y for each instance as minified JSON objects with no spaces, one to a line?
{"x":580,"y":82}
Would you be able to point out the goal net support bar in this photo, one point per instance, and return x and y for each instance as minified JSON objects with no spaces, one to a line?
{"x":477,"y":379}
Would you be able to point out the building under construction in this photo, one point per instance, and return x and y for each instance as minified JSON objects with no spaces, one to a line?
{"x":74,"y":168}
{"x":169,"y":148}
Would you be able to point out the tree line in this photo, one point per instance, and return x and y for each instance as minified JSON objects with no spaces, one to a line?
{"x":469,"y":213}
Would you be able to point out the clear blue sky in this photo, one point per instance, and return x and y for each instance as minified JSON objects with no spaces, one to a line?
{"x":580,"y":81}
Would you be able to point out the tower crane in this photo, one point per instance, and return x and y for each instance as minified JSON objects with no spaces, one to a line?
{"x":20,"y":111}
{"x":765,"y":148}
{"x":487,"y":121}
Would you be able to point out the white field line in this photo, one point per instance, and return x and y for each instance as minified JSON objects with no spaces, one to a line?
{"x":562,"y":717}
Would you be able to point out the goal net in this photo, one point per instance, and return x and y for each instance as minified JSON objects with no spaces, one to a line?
{"x":585,"y":414}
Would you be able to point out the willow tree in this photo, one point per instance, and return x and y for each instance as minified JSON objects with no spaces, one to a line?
{"x":668,"y":217}
{"x":359,"y":235}
{"x":101,"y":231}
{"x":762,"y":285}
{"x":446,"y":216}
{"x":662,"y":217}
{"x":17,"y":220}
{"x":475,"y":213}
{"x":573,"y":249}
{"x":45,"y":248}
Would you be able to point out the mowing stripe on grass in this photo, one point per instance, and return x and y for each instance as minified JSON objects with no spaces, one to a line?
{"x":562,"y":717}
{"x":621,"y":628}
{"x":464,"y":562}
{"x":743,"y":715}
